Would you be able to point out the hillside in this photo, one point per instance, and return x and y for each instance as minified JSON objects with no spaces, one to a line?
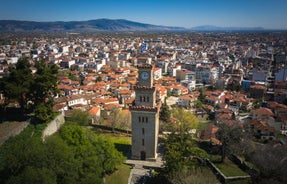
{"x":81,"y":26}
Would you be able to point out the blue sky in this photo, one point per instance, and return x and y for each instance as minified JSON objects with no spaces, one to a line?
{"x":184,"y":13}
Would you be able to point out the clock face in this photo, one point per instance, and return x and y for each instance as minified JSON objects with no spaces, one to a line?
{"x":144,"y":75}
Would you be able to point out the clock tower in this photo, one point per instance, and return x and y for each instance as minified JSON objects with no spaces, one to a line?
{"x":145,"y":116}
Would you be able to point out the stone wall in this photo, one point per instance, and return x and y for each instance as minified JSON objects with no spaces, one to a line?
{"x":221,"y":177}
{"x":53,"y":126}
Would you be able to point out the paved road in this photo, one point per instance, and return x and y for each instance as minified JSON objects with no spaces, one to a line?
{"x":142,"y":170}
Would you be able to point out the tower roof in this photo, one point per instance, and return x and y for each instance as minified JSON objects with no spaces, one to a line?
{"x":144,"y":108}
{"x":144,"y":66}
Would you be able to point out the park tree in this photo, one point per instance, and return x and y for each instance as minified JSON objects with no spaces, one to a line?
{"x":182,"y":152}
{"x":114,"y":118}
{"x":43,"y":90}
{"x":272,"y":164}
{"x":230,"y":136}
{"x":198,"y":104}
{"x":99,"y":79}
{"x":74,"y":155}
{"x":80,"y":117}
{"x":185,"y":121}
{"x":164,"y":113}
{"x":125,"y":120}
{"x":39,"y":89}
{"x":179,"y":144}
{"x":16,"y":84}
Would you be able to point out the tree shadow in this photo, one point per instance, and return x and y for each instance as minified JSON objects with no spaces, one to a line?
{"x":12,"y":114}
{"x":123,"y":148}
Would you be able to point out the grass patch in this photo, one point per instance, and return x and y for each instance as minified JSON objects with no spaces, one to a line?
{"x":122,"y":143}
{"x":202,"y":125}
{"x":228,"y":168}
{"x":120,"y":176}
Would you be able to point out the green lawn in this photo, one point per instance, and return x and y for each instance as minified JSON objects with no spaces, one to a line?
{"x":228,"y":168}
{"x":121,"y":142}
{"x":120,"y":176}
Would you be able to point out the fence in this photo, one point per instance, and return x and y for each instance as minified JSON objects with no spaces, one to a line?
{"x":222,"y":178}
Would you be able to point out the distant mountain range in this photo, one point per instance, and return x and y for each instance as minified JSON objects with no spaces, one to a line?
{"x":82,"y":26}
{"x":216,"y":28}
{"x":99,"y":25}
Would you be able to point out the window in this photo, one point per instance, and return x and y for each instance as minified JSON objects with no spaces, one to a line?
{"x":140,"y":98}
{"x":143,"y":142}
{"x":143,"y":131}
{"x":146,"y":119}
{"x":144,"y":98}
{"x":142,"y":119}
{"x":147,"y":99}
{"x":139,"y":119}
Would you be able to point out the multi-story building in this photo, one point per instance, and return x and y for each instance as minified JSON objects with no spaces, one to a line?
{"x":145,"y":116}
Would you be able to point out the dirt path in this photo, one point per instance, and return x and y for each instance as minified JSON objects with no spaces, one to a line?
{"x":8,"y":129}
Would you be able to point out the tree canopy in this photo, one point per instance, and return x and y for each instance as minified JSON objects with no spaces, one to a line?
{"x":33,"y":92}
{"x":16,"y":85}
{"x":74,"y":155}
{"x":164,"y":113}
{"x":181,"y":150}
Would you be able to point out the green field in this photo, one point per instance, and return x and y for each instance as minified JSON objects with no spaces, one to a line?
{"x":120,"y":176}
{"x":228,"y":168}
{"x":123,"y":144}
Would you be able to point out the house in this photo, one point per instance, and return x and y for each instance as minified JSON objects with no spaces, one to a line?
{"x":95,"y":113}
{"x":67,"y":63}
{"x":284,"y":128}
{"x":209,"y":134}
{"x":157,"y":73}
{"x":124,"y":95}
{"x":280,"y":91}
{"x":184,"y":75}
{"x":281,"y":75}
{"x":262,"y":113}
{"x":68,"y":90}
{"x":177,"y":90}
{"x":257,"y":91}
{"x":108,"y":108}
{"x":214,"y":97}
{"x":259,"y":76}
{"x":77,"y":101}
{"x":161,"y":93}
{"x":184,"y":101}
{"x":262,"y":129}
{"x":223,"y":115}
{"x":105,"y":101}
{"x":212,"y":100}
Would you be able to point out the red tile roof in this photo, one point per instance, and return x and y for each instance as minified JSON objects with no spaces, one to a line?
{"x":262,"y":111}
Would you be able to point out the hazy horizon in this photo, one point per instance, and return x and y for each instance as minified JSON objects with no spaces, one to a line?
{"x":181,"y":13}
